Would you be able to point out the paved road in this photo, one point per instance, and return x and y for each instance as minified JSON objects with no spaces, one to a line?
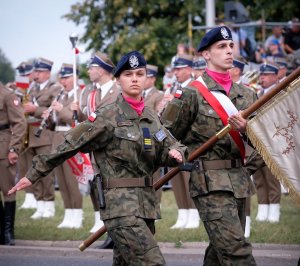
{"x":47,"y":253}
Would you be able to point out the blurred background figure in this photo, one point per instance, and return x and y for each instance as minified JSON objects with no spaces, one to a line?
{"x":68,"y":185}
{"x":168,"y":79}
{"x":12,"y":128}
{"x":267,"y":186}
{"x":292,"y":37}
{"x":199,"y":66}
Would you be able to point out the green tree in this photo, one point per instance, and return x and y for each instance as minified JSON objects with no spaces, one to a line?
{"x":154,"y":27}
{"x":7,"y":72}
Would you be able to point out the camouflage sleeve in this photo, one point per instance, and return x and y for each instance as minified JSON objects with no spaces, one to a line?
{"x":180,"y":113}
{"x":86,"y":137}
{"x":169,"y":144}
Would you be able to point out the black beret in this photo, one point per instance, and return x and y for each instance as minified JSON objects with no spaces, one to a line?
{"x":215,"y":35}
{"x":129,"y":61}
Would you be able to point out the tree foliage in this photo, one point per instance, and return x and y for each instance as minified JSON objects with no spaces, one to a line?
{"x":7,"y":72}
{"x":155,"y":27}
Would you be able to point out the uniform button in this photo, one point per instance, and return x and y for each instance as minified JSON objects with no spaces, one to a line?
{"x":210,"y":111}
{"x":128,"y":135}
{"x":132,"y":137}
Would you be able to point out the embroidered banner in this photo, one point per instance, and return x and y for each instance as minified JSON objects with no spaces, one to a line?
{"x":275,"y":132}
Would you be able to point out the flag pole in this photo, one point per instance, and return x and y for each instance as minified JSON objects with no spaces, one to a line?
{"x":219,"y":135}
{"x":74,"y":38}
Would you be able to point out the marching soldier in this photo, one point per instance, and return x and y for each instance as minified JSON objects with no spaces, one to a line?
{"x":129,"y":143}
{"x":12,"y":128}
{"x":102,"y":91}
{"x":40,"y":99}
{"x":68,"y":185}
{"x":26,"y":69}
{"x":188,"y":216}
{"x":219,"y":185}
{"x":267,"y":186}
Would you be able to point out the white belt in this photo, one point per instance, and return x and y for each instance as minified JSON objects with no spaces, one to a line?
{"x":62,"y":128}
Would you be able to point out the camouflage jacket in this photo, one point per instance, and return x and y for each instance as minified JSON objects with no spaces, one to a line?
{"x":193,"y":121}
{"x":117,"y":139}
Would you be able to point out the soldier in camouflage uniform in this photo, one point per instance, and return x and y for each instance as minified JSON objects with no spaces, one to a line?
{"x":220,"y":188}
{"x":131,"y":144}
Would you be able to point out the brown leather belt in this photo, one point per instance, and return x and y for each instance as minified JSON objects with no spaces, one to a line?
{"x":127,"y":182}
{"x":221,"y":164}
{"x":2,"y":127}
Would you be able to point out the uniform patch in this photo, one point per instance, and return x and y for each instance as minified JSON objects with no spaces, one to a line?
{"x":92,"y":117}
{"x":16,"y":102}
{"x":160,"y":135}
{"x":147,"y":138}
{"x":178,"y":93}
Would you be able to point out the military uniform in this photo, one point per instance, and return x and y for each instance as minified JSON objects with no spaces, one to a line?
{"x":42,"y":96}
{"x":267,"y":186}
{"x":12,"y":128}
{"x":219,"y":192}
{"x":126,"y":162}
{"x":25,"y":69}
{"x":68,"y":185}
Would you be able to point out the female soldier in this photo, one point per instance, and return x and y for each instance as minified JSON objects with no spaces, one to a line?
{"x":131,"y":144}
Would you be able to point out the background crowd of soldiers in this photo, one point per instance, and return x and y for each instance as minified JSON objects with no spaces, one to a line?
{"x":33,"y":121}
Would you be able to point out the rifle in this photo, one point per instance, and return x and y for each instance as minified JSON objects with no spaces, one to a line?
{"x":219,"y":135}
{"x":44,"y":121}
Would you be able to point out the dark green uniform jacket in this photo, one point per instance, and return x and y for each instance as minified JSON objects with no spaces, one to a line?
{"x":193,"y":121}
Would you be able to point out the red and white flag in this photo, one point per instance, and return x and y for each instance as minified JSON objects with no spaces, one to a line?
{"x":22,"y":82}
{"x":81,"y":167}
{"x":275,"y":132}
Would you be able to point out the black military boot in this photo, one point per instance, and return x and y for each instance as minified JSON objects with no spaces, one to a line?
{"x":9,"y":222}
{"x":108,"y":244}
{"x":1,"y":224}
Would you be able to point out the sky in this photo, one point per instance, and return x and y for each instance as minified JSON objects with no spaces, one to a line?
{"x":34,"y":28}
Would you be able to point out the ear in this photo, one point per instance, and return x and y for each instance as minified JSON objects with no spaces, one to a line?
{"x":206,"y":54}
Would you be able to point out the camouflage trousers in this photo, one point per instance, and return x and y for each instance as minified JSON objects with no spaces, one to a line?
{"x":134,"y":241}
{"x":223,"y":217}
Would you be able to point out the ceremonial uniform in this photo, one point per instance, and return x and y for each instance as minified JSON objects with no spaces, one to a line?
{"x":42,"y":96}
{"x":267,"y":186}
{"x":220,"y":185}
{"x":25,"y":70}
{"x":68,"y":185}
{"x":12,"y":128}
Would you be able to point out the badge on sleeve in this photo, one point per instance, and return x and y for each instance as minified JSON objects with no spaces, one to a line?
{"x":92,"y":117}
{"x":178,"y":93}
{"x":16,"y":102}
{"x":160,"y":135}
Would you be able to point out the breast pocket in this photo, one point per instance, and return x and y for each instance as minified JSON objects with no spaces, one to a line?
{"x":126,"y":143}
{"x":208,"y":121}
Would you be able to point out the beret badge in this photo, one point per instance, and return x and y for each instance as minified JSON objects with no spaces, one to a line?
{"x":133,"y":61}
{"x":224,"y":33}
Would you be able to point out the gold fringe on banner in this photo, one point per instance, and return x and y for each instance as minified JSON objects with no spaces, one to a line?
{"x":264,"y":151}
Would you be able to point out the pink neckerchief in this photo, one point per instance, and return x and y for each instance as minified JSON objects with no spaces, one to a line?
{"x":138,"y":106}
{"x":222,"y":79}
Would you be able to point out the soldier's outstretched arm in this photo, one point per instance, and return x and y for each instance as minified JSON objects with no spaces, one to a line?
{"x":23,"y":183}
